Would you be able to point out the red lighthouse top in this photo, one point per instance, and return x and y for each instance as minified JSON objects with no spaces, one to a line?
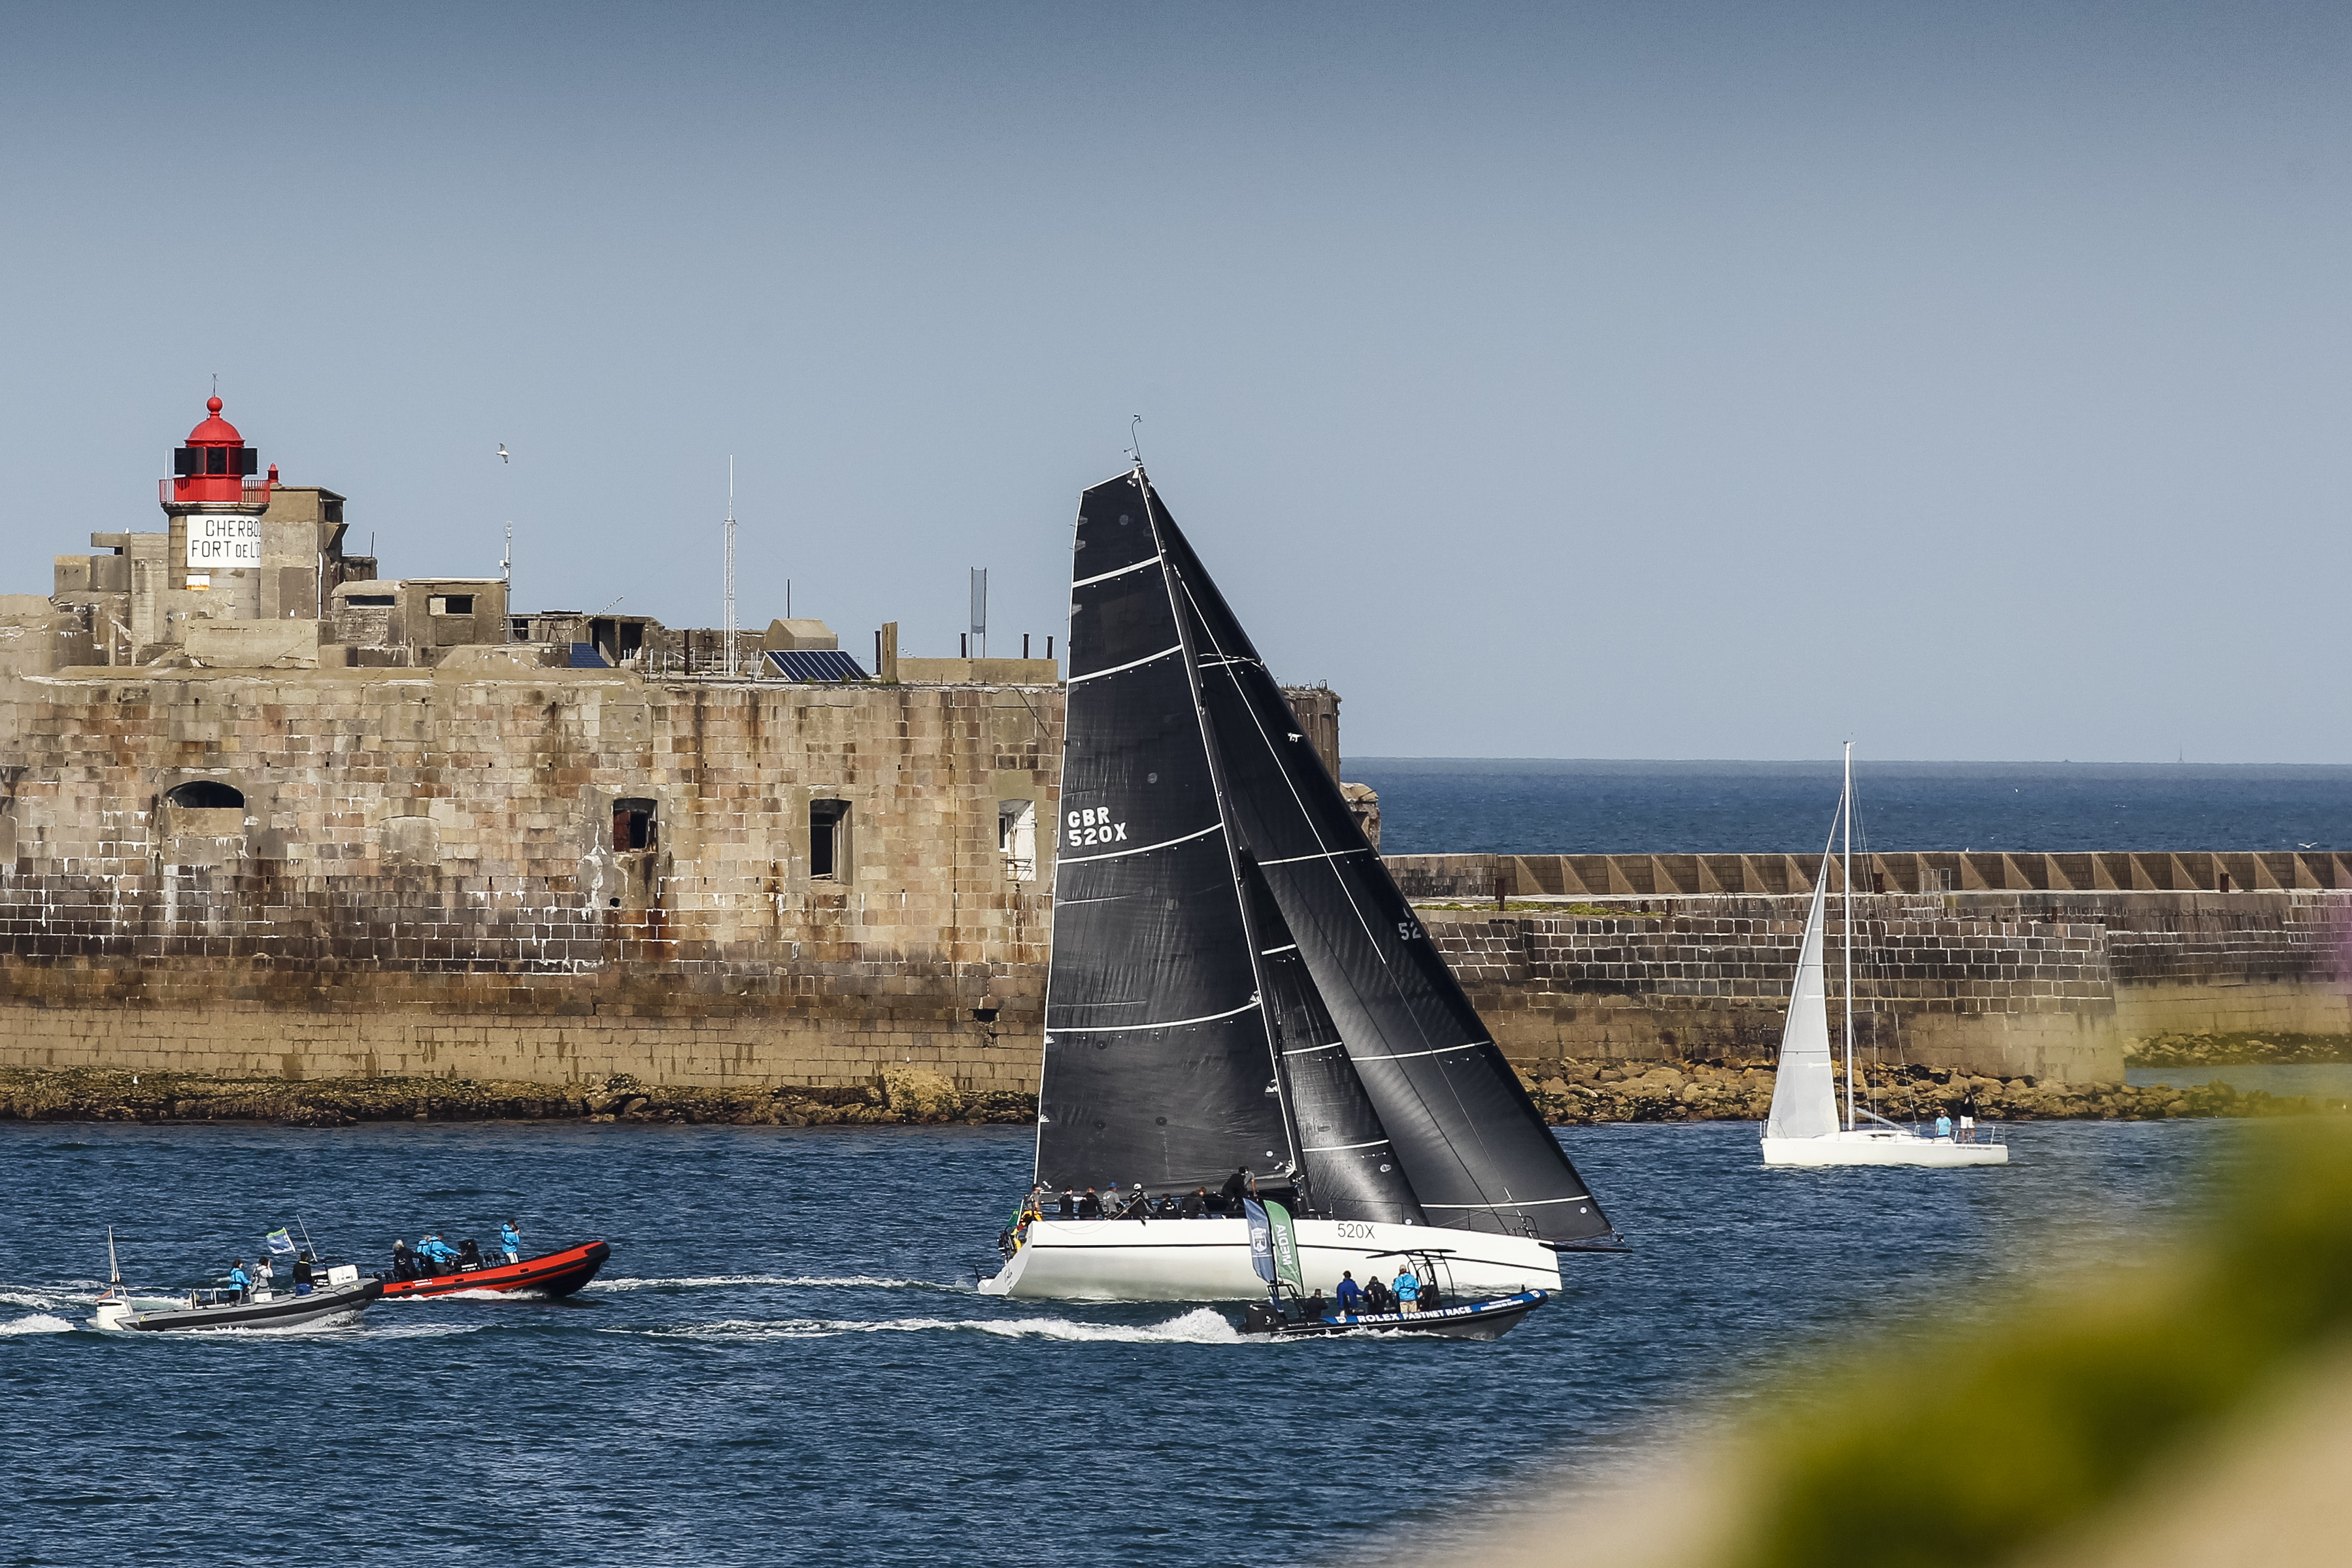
{"x":213,"y":466}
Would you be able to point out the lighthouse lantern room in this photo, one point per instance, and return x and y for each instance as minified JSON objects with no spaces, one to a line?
{"x":216,"y":515}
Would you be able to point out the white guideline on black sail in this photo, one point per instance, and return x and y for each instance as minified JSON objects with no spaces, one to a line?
{"x":1158,"y":1062}
{"x":1805,"y":1094}
{"x":1476,"y":1151}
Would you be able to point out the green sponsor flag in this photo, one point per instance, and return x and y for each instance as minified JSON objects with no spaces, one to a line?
{"x":1286,"y":1247}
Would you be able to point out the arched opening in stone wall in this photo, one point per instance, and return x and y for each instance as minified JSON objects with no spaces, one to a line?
{"x":206,"y":795}
{"x":635,"y":825}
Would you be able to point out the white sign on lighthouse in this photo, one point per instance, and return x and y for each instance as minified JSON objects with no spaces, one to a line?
{"x":224,"y":542}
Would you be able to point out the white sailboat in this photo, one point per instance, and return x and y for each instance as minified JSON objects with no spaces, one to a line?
{"x":1804,"y":1128}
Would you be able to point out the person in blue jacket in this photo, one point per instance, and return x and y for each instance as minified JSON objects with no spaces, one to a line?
{"x":1407,"y":1290}
{"x":240,"y":1281}
{"x":511,"y":1239}
{"x":1350,"y":1295}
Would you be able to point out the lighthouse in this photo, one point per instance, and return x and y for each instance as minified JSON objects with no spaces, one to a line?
{"x":215,"y":517}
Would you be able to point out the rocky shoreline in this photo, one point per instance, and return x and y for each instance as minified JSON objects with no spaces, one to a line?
{"x":93,"y":1094}
{"x":2238,"y":1050}
{"x":1583,"y":1093}
{"x":1571,"y":1094}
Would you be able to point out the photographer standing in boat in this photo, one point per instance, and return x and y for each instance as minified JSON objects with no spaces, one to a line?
{"x":511,"y":1240}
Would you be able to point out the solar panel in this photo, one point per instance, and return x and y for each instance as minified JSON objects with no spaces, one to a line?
{"x":815,"y":664}
{"x":584,"y":657}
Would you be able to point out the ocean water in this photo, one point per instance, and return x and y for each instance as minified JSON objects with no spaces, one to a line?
{"x":1514,"y":806}
{"x":786,"y":1360}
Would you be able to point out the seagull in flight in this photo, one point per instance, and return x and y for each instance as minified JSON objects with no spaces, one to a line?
{"x":502,"y":453}
{"x":2306,"y":846}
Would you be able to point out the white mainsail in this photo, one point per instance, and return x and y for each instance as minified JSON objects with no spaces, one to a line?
{"x":1804,"y":1099}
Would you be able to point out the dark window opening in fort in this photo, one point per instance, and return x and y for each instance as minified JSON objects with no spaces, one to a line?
{"x":370,"y":600}
{"x":205,"y":795}
{"x":633,"y":825}
{"x":451,"y":604}
{"x":829,"y":839}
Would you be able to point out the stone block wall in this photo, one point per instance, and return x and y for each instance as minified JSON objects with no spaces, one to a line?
{"x":2050,"y":984}
{"x":426,"y":877}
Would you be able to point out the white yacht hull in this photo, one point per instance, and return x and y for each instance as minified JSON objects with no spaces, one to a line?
{"x":1209,"y":1259}
{"x":1882,"y":1148}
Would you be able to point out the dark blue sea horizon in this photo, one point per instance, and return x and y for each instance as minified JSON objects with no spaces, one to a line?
{"x":1431,"y":805}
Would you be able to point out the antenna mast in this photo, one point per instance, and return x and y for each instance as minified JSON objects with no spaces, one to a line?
{"x":727,"y":618}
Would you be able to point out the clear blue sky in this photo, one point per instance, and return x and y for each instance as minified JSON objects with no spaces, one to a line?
{"x":1602,"y":380}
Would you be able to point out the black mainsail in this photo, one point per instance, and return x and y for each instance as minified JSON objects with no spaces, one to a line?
{"x":1159,"y":1062}
{"x":1235,"y":979}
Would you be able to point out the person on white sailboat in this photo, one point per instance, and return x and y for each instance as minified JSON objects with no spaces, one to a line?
{"x":1944,"y":1125}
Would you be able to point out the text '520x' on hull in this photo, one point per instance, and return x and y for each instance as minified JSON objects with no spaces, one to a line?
{"x":1239,"y":997}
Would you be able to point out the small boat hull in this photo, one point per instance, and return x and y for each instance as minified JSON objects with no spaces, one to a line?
{"x":1209,"y":1259}
{"x":549,"y":1274}
{"x":1490,"y":1318}
{"x":1882,"y":1148}
{"x":282,"y":1310}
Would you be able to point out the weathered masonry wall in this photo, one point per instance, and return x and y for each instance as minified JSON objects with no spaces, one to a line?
{"x":555,"y":876}
{"x":2052,"y":983}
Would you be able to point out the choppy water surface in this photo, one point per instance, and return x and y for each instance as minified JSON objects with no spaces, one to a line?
{"x":1435,"y":804}
{"x":786,"y":1360}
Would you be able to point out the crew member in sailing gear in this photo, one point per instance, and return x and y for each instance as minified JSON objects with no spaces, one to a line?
{"x":510,"y":1239}
{"x":303,"y":1275}
{"x":1350,"y":1293}
{"x":1090,"y":1206}
{"x":1195,"y":1205}
{"x":1376,"y":1296}
{"x":239,"y":1280}
{"x":1138,"y":1207}
{"x":1238,"y":1186}
{"x":1407,"y":1290}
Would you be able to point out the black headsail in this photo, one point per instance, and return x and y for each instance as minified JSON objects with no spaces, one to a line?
{"x":1158,"y":1057}
{"x":1476,"y":1149}
{"x":1350,"y":1169}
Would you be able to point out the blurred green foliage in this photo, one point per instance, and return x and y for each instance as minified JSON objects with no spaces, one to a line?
{"x":2003,"y":1433}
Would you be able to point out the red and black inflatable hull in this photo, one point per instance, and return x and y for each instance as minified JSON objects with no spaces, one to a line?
{"x":549,"y":1274}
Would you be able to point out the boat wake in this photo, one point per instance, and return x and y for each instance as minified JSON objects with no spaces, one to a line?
{"x":467,"y":1296}
{"x":1202,"y":1325}
{"x":38,"y":1322}
{"x":709,"y":1281}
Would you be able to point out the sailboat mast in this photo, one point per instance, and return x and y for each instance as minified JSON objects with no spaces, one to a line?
{"x":1845,"y":812}
{"x":1232,"y":835}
